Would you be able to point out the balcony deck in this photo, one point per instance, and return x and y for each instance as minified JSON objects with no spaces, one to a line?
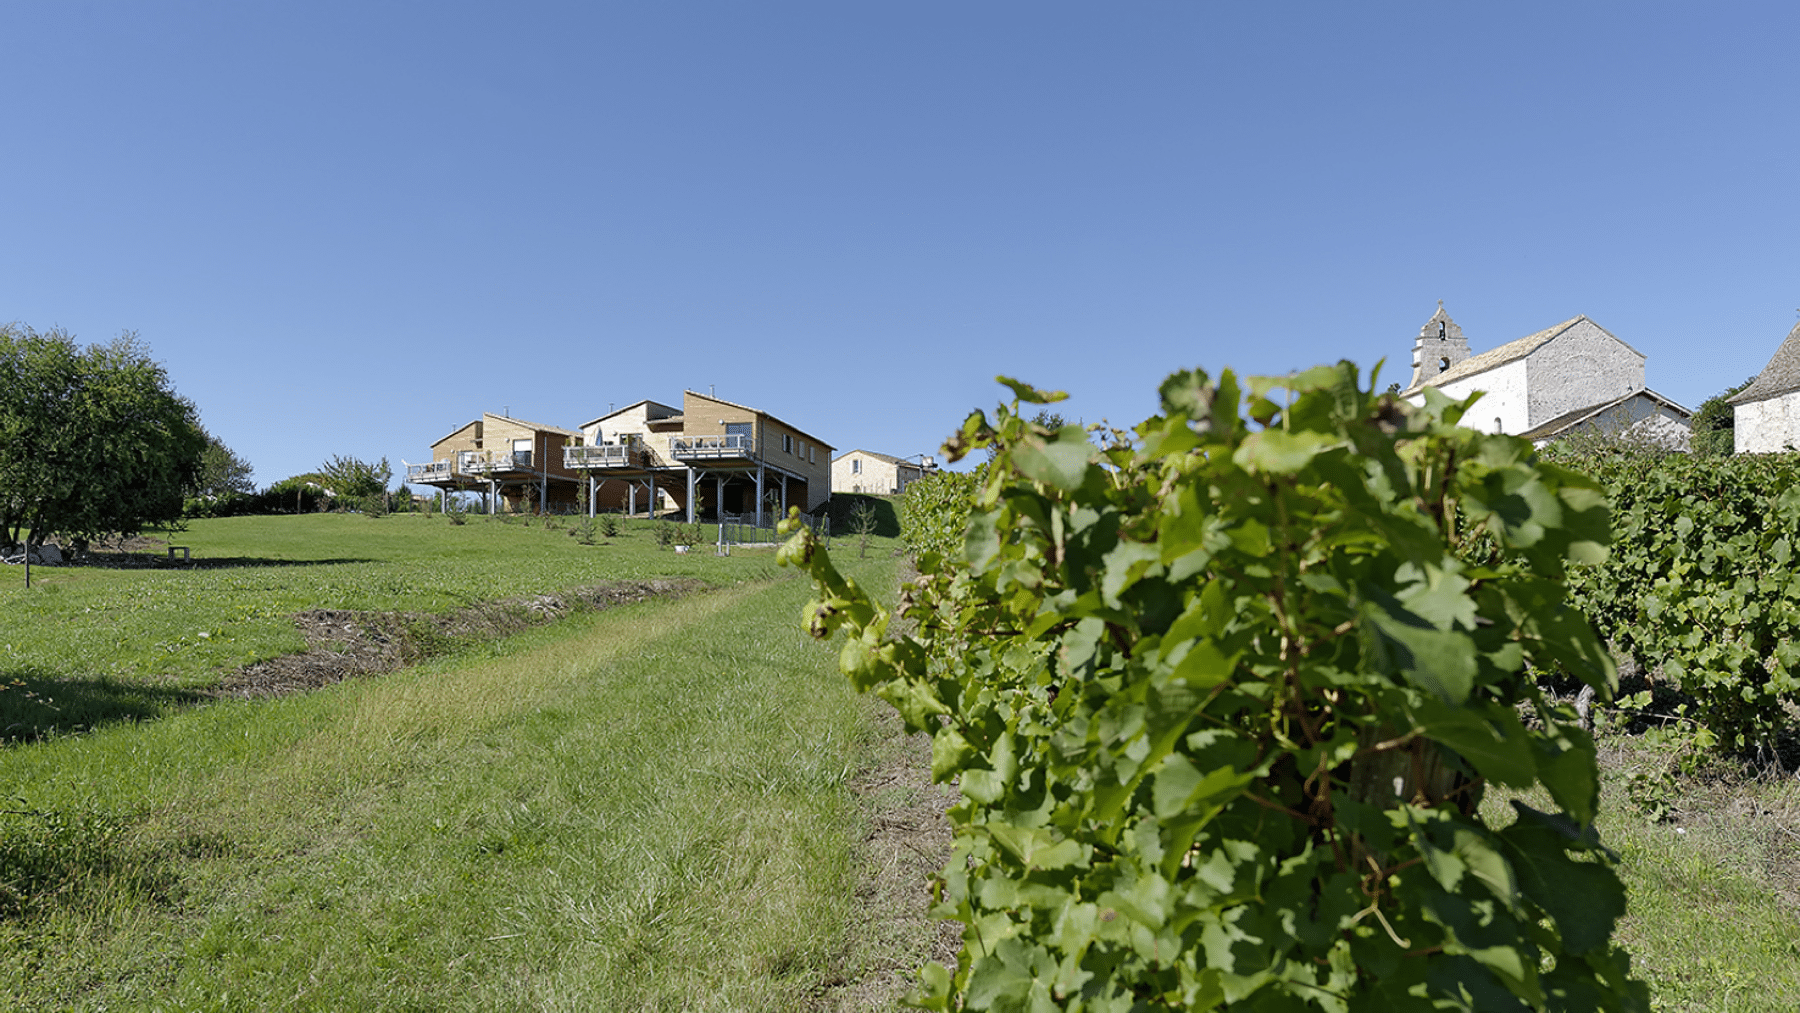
{"x":469,"y":468}
{"x":713,"y":448}
{"x":609,"y":457}
{"x":431,"y":473}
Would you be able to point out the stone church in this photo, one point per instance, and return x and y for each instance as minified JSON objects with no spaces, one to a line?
{"x":1573,"y":377}
{"x":1766,"y":414}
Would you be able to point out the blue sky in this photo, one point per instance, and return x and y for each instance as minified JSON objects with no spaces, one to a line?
{"x":349,"y":228}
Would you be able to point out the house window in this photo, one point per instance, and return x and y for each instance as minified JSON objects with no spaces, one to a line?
{"x":810,"y":459}
{"x":787,"y":444}
{"x":856,"y":466}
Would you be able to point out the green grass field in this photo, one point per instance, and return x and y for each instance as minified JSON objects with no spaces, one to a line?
{"x":639,"y":809}
{"x":85,"y":645}
{"x":646,"y":808}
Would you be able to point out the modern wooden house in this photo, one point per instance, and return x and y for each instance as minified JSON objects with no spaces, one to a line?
{"x":507,"y":460}
{"x":709,"y":458}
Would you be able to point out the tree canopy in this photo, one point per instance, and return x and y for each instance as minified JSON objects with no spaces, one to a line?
{"x":222,"y":471}
{"x":357,"y":484}
{"x":1715,"y":424}
{"x":93,"y":440}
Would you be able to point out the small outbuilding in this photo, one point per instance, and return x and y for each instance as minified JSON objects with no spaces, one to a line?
{"x":1641,"y":418}
{"x":1766,"y":414}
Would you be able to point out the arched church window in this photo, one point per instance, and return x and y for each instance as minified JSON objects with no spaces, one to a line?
{"x":1443,"y":363}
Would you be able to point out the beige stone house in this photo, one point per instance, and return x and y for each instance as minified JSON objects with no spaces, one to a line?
{"x":865,"y":471}
{"x":1564,"y":378}
{"x":1766,"y":414}
{"x":509,"y":461}
{"x":709,"y":458}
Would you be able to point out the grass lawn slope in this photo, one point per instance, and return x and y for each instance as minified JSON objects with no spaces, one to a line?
{"x":645,"y":808}
{"x":92,"y":644}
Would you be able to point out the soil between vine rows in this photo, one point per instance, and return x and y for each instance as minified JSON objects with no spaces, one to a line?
{"x":344,"y":644}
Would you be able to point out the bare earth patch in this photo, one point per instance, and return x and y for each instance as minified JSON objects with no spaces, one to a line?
{"x":906,"y":844}
{"x":343,"y":644}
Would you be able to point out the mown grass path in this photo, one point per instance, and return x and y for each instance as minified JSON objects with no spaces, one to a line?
{"x":642,"y":809}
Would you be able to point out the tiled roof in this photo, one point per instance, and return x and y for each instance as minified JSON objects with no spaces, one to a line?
{"x":1512,"y":351}
{"x":1780,"y":376}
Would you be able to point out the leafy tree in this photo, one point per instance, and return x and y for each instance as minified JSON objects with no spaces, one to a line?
{"x":356,"y":483}
{"x":222,"y":471}
{"x":295,"y":494}
{"x":93,"y":440}
{"x":1714,"y":425}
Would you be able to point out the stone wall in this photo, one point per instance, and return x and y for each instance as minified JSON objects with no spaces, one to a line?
{"x":1769,"y":426}
{"x":1582,"y":366}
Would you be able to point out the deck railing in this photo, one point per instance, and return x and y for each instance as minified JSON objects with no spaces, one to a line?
{"x":735,"y":445}
{"x":468,"y":465}
{"x":432,"y":471}
{"x":604,"y":456}
{"x":499,"y":460}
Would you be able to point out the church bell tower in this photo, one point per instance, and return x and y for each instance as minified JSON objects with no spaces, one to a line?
{"x":1439,"y":346}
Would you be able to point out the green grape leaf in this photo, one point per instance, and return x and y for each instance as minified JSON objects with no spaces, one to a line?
{"x":1584,"y":898}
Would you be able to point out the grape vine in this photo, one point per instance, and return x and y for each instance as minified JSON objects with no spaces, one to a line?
{"x":1222,"y":696}
{"x":1702,"y":584}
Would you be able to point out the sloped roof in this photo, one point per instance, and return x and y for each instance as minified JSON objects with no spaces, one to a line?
{"x":517,"y":422}
{"x":889,"y":458}
{"x":1512,"y":351}
{"x":452,"y":433}
{"x":1569,"y":420}
{"x":1780,"y":376}
{"x":541,"y":427}
{"x":634,"y":404}
{"x":719,"y":400}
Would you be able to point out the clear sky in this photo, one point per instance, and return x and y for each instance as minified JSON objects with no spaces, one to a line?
{"x":351,"y":227}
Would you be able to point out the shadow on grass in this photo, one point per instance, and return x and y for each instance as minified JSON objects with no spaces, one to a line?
{"x":36,"y":704}
{"x":225,"y":562}
{"x":144,"y":561}
{"x":84,"y":861}
{"x":887,"y":515}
